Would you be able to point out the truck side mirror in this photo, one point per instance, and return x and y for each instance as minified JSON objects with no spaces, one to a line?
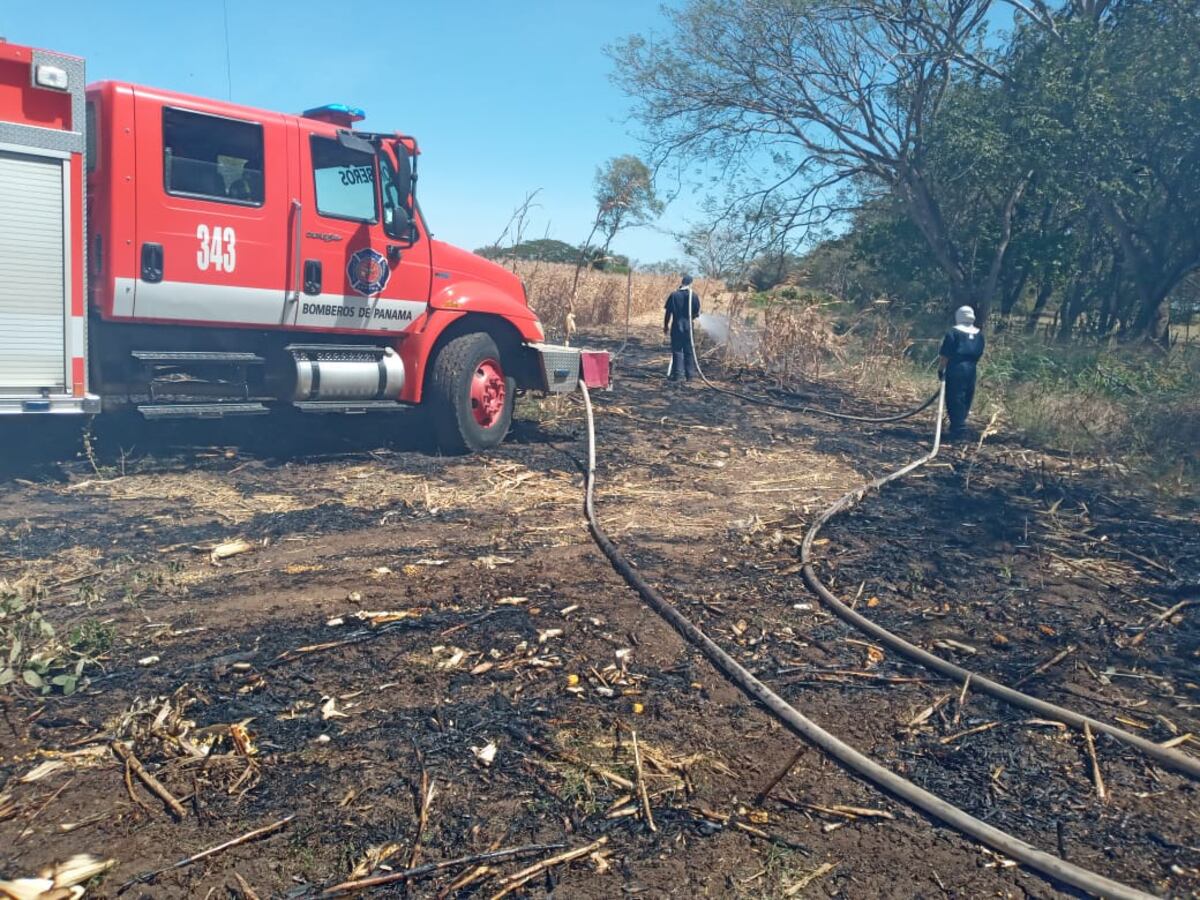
{"x":398,"y":224}
{"x":404,"y":173}
{"x":399,"y":203}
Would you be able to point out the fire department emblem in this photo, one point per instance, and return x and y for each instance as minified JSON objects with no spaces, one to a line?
{"x":368,"y":271}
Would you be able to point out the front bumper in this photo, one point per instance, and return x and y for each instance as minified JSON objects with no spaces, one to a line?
{"x":562,"y":368}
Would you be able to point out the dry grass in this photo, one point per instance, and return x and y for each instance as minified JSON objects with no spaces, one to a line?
{"x":372,"y":486}
{"x":495,"y":484}
{"x":1158,"y":438}
{"x":881,"y":347}
{"x":199,"y":491}
{"x":797,"y":340}
{"x":1070,"y":421}
{"x":787,"y":340}
{"x":601,"y":296}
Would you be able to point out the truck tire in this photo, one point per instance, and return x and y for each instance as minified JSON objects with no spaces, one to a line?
{"x":470,"y":399}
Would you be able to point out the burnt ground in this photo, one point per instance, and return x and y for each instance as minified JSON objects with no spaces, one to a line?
{"x":508,"y":630}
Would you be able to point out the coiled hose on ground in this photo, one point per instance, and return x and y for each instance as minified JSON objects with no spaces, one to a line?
{"x":1171,"y":758}
{"x":918,"y":797}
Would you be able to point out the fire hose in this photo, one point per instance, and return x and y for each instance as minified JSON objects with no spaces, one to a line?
{"x":1169,"y":757}
{"x":850,"y":758}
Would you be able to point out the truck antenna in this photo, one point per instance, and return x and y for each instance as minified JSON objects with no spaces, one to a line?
{"x":228,"y":65}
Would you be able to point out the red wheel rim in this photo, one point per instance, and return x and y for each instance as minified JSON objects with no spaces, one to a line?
{"x":488,"y":393}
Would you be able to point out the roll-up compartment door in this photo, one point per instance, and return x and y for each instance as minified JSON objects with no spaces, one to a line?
{"x":32,"y":273}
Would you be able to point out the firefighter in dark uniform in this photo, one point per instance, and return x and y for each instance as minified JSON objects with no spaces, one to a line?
{"x":961,"y":349}
{"x":680,"y":311}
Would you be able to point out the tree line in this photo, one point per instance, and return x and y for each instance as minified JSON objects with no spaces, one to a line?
{"x":553,"y":250}
{"x":1021,"y":157}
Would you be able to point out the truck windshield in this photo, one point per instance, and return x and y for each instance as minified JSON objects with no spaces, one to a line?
{"x":345,"y":181}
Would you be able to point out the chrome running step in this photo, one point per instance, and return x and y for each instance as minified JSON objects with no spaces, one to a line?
{"x":350,"y":407}
{"x":194,"y":356}
{"x":157,"y":411}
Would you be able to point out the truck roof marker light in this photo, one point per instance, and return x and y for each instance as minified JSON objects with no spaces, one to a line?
{"x":52,"y":77}
{"x":336,"y":114}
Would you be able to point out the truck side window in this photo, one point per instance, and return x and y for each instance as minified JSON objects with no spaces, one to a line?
{"x":212,"y":157}
{"x":345,"y":181}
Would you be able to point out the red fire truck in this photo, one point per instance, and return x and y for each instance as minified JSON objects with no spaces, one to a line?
{"x":194,"y":258}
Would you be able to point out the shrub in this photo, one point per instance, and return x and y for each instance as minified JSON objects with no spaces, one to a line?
{"x":32,"y":653}
{"x":1131,"y":404}
{"x":796,"y":341}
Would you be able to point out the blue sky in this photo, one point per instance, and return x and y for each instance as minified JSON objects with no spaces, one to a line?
{"x":504,"y":97}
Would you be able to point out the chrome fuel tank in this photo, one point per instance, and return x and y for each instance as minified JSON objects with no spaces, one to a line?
{"x":346,"y":372}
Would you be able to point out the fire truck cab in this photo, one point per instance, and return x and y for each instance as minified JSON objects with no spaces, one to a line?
{"x":235,"y":260}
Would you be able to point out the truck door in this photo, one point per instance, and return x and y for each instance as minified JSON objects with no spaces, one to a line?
{"x":354,"y":277}
{"x":213,"y":215}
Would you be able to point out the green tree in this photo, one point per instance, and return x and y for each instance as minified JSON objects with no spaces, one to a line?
{"x":826,"y":98}
{"x":1113,"y":98}
{"x":1146,"y":130}
{"x":625,"y":198}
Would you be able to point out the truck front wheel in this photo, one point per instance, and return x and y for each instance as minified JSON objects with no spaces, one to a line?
{"x":470,"y":399}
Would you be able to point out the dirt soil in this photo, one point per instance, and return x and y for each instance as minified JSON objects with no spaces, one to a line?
{"x":410,"y":632}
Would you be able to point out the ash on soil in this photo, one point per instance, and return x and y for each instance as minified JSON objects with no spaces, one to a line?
{"x":506,"y":600}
